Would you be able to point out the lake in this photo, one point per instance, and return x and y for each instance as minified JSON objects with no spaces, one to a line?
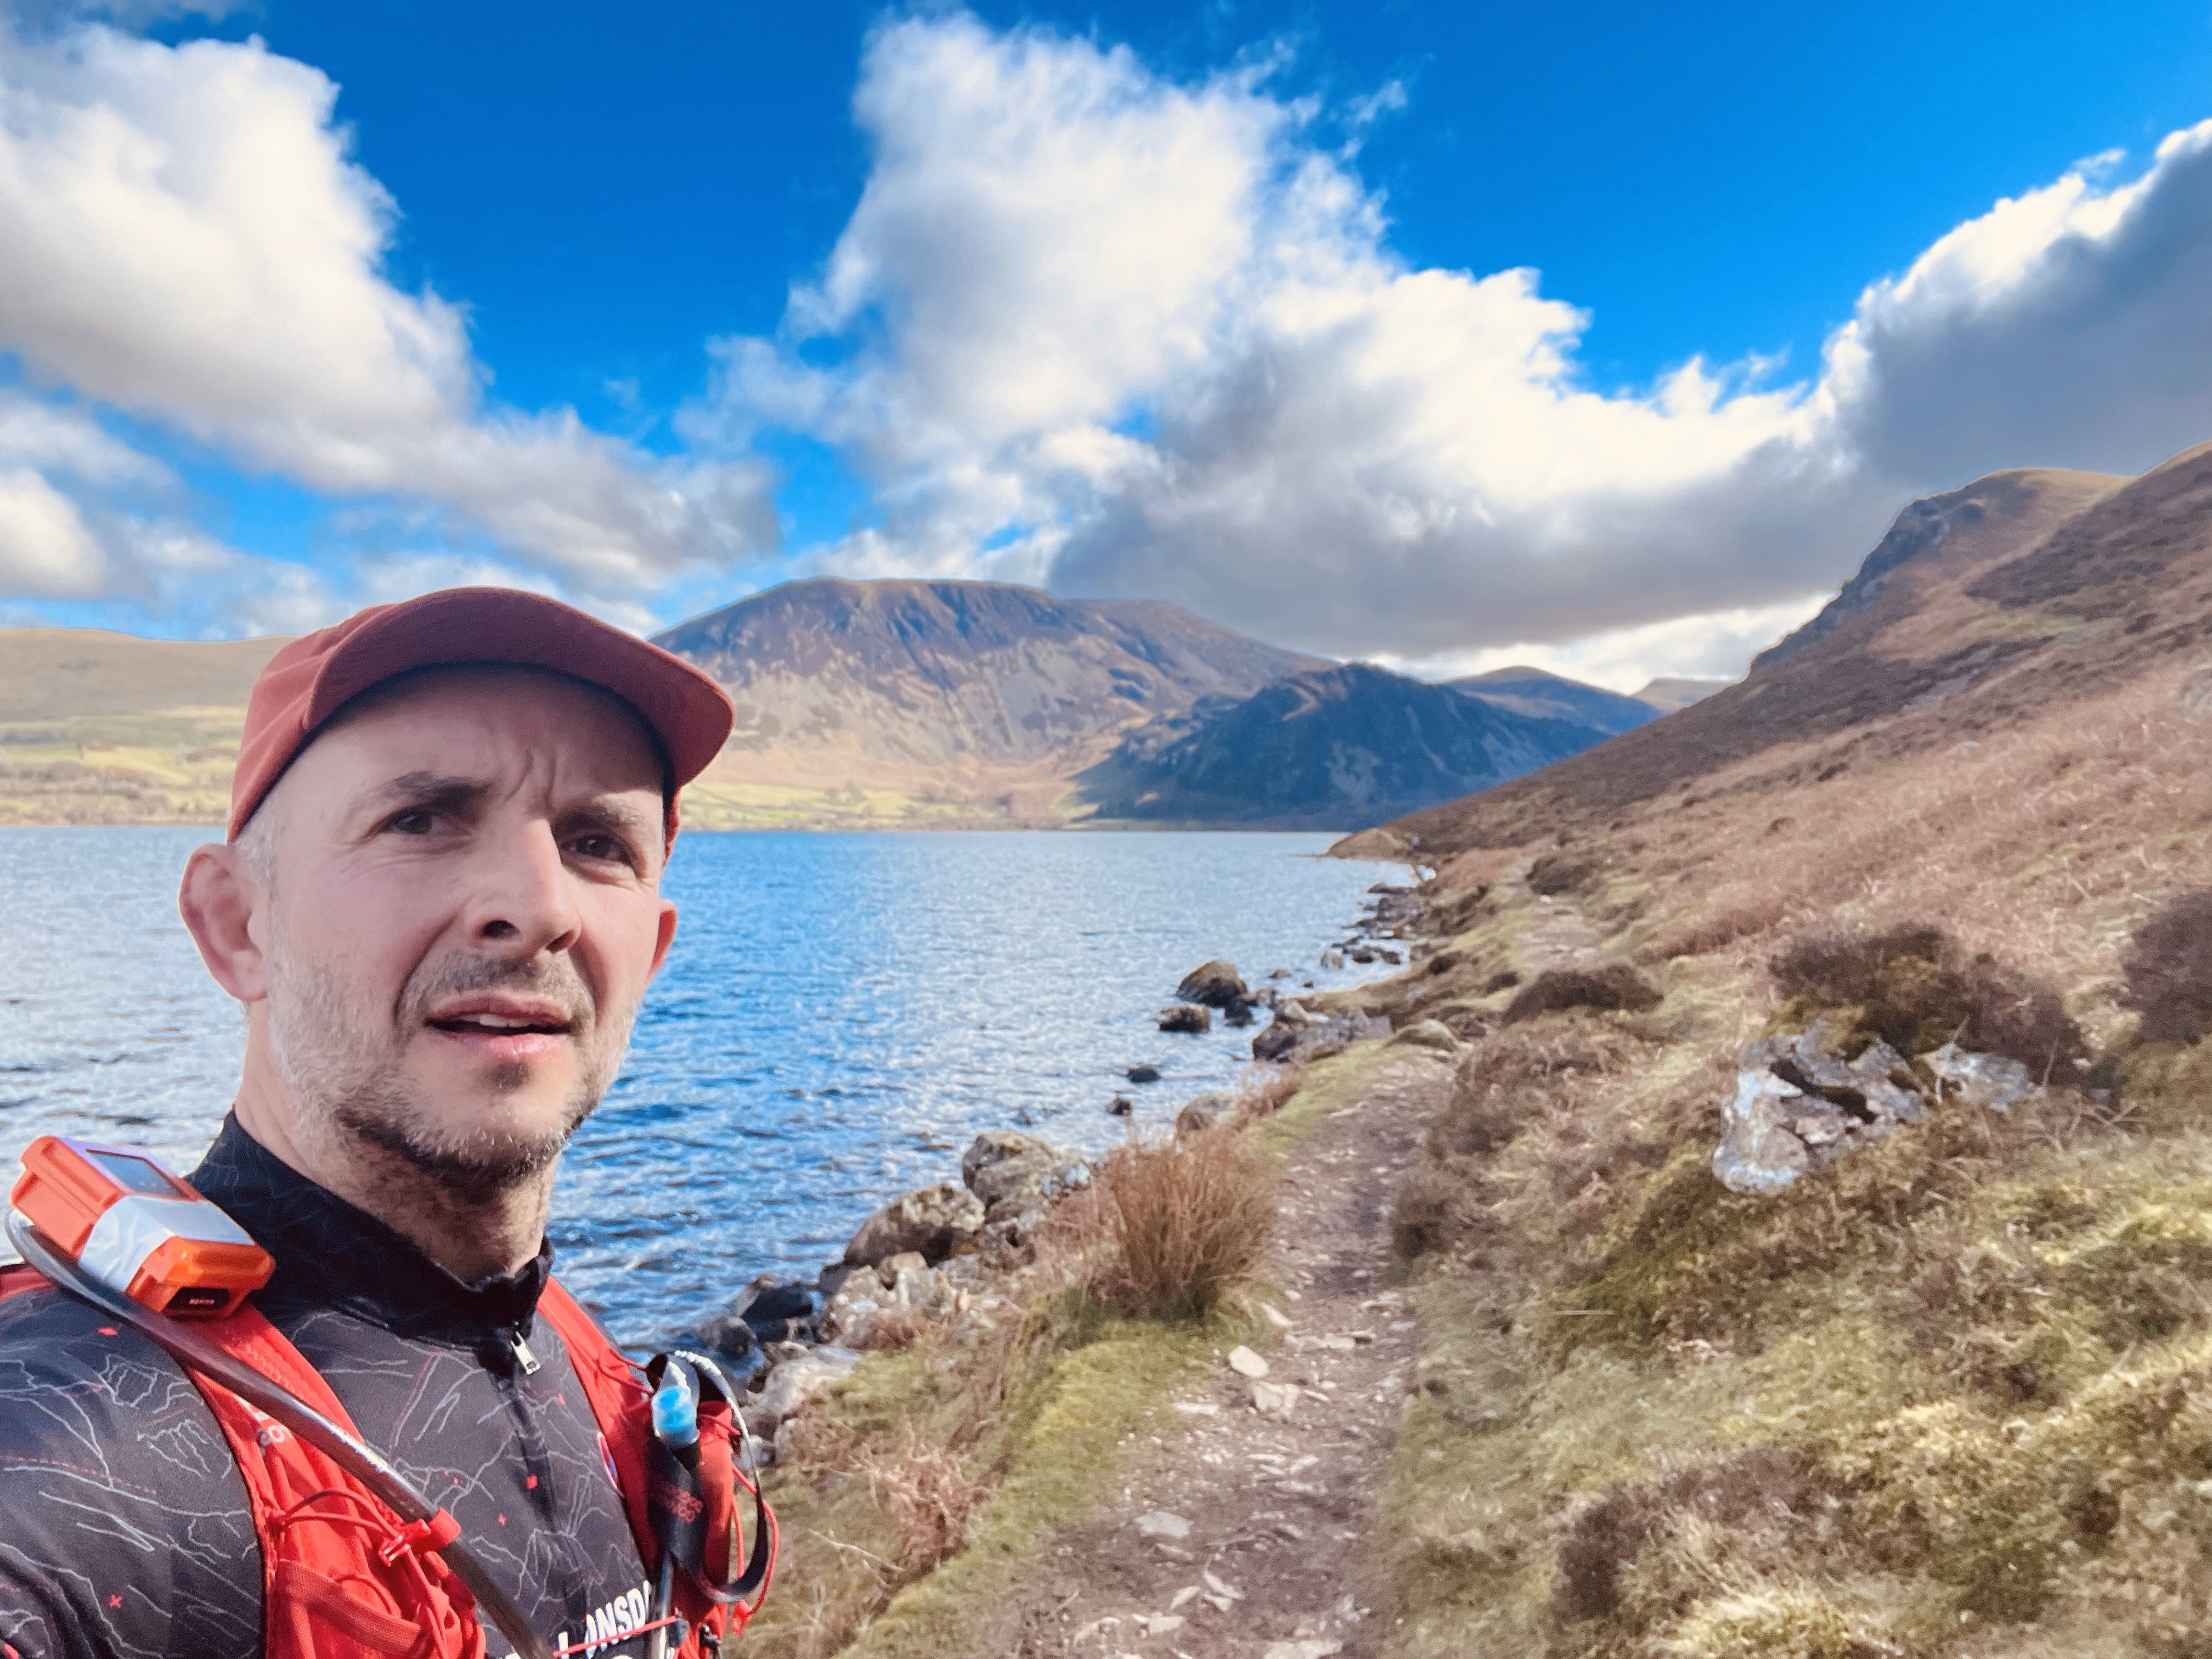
{"x":841,"y":1015}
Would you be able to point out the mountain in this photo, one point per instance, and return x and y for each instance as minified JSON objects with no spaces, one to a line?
{"x":1330,"y":748}
{"x":1668,"y":695}
{"x":914,"y":700}
{"x":1533,"y":692}
{"x":1909,"y":652}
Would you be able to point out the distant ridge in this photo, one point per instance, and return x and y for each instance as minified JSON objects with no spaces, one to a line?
{"x":1668,"y":695}
{"x":1542,"y":696}
{"x":1338,"y":748}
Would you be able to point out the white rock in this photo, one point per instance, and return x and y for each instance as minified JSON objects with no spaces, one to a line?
{"x":1274,"y":1315}
{"x":1245,"y":1363}
{"x":795,"y":1381}
{"x":1197,"y":1407}
{"x":1159,"y":1624}
{"x":1312,"y":1649}
{"x":1158,"y":1523}
{"x":1222,"y":1587}
{"x":1274,"y":1398}
{"x":1183,"y":1597}
{"x":1757,"y":1153}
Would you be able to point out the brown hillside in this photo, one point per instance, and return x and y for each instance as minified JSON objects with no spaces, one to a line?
{"x":67,"y":673}
{"x":106,"y":728}
{"x":1948,"y":1394}
{"x":1882,"y":671}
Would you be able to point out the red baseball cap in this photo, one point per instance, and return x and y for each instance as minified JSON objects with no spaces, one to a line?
{"x":313,"y":676}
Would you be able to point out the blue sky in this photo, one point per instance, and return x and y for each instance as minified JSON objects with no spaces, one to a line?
{"x":1242,"y":338}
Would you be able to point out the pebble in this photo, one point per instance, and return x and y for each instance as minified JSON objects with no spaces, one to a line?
{"x":1197,"y":1407}
{"x":1183,"y":1597}
{"x":1245,"y":1363}
{"x":1158,"y":1523}
{"x":1315,"y":1650}
{"x":1274,"y":1315}
{"x":1274,"y":1398}
{"x":1159,"y":1624}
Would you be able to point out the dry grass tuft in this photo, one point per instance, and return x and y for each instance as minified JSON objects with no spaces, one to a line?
{"x":1613,"y":985}
{"x":894,"y":1329}
{"x":1266,"y":1089}
{"x":928,"y":1492}
{"x":1163,"y":1232}
{"x":1915,"y":987}
{"x":2169,"y":970}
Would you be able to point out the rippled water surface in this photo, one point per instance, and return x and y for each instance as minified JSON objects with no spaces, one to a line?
{"x":840,"y":1014}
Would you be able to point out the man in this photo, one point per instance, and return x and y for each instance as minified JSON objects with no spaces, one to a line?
{"x":439,"y":904}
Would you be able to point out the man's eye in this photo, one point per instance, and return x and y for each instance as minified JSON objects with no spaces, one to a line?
{"x":418,"y":821}
{"x":600,"y":848}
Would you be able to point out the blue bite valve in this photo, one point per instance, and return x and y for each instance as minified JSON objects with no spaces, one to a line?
{"x":676,"y":1412}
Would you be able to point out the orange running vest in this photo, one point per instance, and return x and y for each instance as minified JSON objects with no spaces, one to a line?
{"x":343,"y":1578}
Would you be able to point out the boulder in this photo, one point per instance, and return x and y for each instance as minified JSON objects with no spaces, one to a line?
{"x":769,"y":1300}
{"x":1278,"y":1040}
{"x":1238,"y":1014}
{"x":728,"y":1337}
{"x":1143,"y":1074}
{"x":916,"y":1287}
{"x":1280,"y":973}
{"x":934,"y":1221}
{"x":1119,"y":1106}
{"x":1212,"y":985}
{"x":845,"y":1321}
{"x":1206,"y":1112}
{"x":1427,"y":1034}
{"x":1185,"y":1018}
{"x":1332,"y":958}
{"x":1798,"y":1106}
{"x":1000,"y":1165}
{"x":791,"y":1384}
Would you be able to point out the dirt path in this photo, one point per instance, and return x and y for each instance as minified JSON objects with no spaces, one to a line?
{"x":1555,"y":935}
{"x":1237,"y":1532}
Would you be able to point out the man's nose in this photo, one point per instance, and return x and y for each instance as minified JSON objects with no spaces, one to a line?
{"x":521,"y":901}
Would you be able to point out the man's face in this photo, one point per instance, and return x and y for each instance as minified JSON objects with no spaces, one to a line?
{"x":465,"y":911}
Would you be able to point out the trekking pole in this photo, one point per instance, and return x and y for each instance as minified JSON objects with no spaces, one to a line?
{"x":676,"y":1426}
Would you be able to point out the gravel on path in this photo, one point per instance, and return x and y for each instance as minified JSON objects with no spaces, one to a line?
{"x":1237,"y":1534}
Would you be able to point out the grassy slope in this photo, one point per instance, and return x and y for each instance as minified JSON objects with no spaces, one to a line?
{"x":1952,"y":1396}
{"x":104,"y":728}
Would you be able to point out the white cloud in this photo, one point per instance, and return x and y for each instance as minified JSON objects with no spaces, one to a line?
{"x":1148,"y":338}
{"x":57,"y":439}
{"x":183,"y":236}
{"x":1716,"y":646}
{"x":46,"y":549}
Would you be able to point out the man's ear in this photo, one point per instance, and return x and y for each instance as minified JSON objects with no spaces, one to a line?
{"x":667,"y":935}
{"x":220,"y":900}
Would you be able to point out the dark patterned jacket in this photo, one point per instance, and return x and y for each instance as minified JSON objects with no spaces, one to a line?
{"x":125,"y":1529}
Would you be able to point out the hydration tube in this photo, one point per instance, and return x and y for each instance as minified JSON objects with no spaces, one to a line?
{"x":355,"y":1455}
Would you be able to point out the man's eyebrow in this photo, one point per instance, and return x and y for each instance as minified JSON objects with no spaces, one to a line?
{"x":607,"y":813}
{"x":434,"y":790}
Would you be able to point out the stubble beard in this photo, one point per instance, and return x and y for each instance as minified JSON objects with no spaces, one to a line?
{"x":343,"y":1063}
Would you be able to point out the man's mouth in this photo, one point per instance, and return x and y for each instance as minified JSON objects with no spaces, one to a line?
{"x":500,"y":1028}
